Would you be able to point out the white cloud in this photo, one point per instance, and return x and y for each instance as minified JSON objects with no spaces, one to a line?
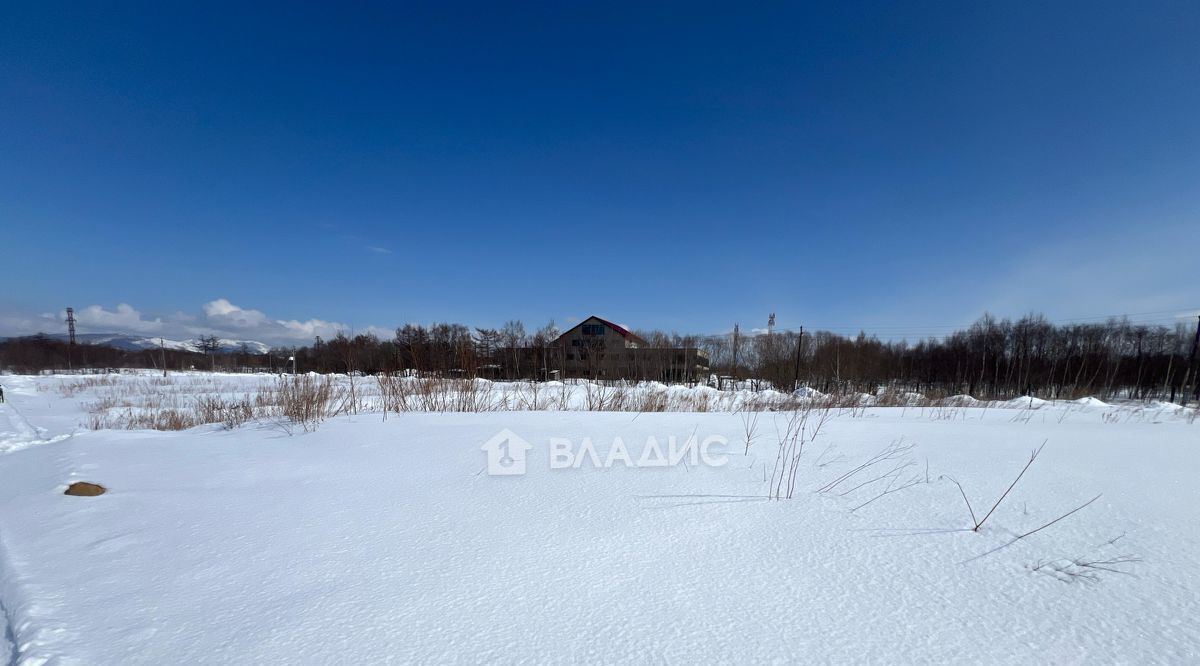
{"x":18,"y":324}
{"x":312,"y":328}
{"x":227,"y":315}
{"x":224,"y":316}
{"x":378,"y":250}
{"x":95,"y":319}
{"x":218,"y":317}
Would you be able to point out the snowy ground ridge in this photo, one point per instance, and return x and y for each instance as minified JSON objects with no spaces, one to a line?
{"x":349,"y":543}
{"x":9,"y":645}
{"x":23,"y":633}
{"x":15,"y":431}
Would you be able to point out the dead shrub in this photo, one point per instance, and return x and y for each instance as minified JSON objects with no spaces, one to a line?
{"x":229,"y":413}
{"x":304,"y":400}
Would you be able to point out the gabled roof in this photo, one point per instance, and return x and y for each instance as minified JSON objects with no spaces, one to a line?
{"x":625,"y":333}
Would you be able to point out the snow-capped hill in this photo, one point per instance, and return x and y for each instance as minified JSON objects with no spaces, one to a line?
{"x":139,"y":343}
{"x":226,"y":346}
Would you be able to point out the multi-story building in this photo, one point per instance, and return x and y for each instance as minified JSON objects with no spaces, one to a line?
{"x":599,"y":349}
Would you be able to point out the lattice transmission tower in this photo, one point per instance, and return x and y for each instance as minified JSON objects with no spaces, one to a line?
{"x":71,"y":324}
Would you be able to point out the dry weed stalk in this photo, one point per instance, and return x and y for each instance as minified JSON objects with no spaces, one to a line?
{"x":895,"y":451}
{"x":977,"y":523}
{"x":801,"y":427}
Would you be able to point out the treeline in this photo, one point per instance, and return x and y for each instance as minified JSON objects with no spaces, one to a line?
{"x":36,"y":353}
{"x":507,"y":353}
{"x":39,"y":353}
{"x":442,"y":349}
{"x":991,"y":359}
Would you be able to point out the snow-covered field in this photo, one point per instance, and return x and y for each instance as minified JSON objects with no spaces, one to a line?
{"x":375,"y":540}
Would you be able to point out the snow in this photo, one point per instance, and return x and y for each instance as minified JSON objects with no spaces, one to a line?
{"x":866,"y":399}
{"x":1026,"y":402}
{"x":8,"y":649}
{"x":374,"y":540}
{"x":808,"y":392}
{"x":960,"y":400}
{"x":1162,"y":405}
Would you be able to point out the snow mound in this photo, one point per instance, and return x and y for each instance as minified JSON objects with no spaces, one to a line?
{"x":1168,"y":406}
{"x":1026,"y":402}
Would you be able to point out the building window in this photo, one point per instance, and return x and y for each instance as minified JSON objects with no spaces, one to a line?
{"x":593,"y":329}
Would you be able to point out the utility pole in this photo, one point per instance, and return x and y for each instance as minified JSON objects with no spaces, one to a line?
{"x":1192,"y":366}
{"x":1137,"y":388}
{"x":799,"y":348}
{"x":735,"y":352}
{"x":162,"y":348}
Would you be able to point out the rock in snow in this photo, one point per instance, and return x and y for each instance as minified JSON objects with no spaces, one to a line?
{"x":84,"y":489}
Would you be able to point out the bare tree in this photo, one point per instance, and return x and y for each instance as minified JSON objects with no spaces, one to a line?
{"x":209,"y":345}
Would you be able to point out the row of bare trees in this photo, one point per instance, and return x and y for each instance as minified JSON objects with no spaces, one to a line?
{"x":36,"y":353}
{"x":993,"y":358}
{"x":442,"y":349}
{"x":508,"y":352}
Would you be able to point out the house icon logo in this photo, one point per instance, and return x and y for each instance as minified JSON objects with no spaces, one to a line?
{"x":506,"y":454}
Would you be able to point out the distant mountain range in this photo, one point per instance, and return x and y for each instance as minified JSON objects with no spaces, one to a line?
{"x":139,"y":343}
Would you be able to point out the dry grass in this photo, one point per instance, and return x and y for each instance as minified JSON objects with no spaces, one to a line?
{"x":156,"y":419}
{"x":306,"y":401}
{"x":880,"y":475}
{"x":230,"y":413}
{"x":186,"y":401}
{"x":800,"y":427}
{"x":1088,"y":569}
{"x":69,"y":389}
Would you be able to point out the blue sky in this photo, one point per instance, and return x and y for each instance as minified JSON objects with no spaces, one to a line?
{"x":281,"y":170}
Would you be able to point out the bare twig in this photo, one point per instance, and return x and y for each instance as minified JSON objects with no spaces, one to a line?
{"x":1086,"y":570}
{"x":893,"y":451}
{"x":1032,"y":457}
{"x":914,"y":480}
{"x":1033,"y":531}
{"x":974,"y":521}
{"x":1078,"y":508}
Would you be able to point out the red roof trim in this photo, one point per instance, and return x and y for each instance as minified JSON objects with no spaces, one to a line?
{"x":619,"y":329}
